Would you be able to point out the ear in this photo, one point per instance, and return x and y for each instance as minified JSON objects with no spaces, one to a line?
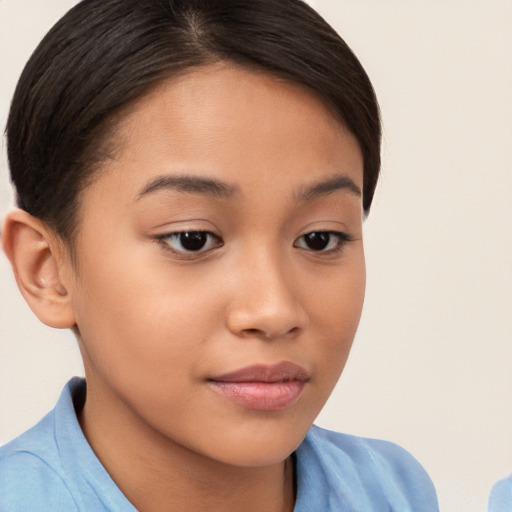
{"x":40,"y":265}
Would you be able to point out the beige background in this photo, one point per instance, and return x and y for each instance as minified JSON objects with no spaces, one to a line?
{"x":432,"y":365}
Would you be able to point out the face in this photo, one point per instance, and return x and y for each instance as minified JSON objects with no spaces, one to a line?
{"x":220,"y":274}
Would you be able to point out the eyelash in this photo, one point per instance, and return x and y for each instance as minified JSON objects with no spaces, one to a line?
{"x":341,"y":240}
{"x":167,"y":238}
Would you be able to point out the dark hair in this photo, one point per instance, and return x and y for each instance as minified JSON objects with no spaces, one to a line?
{"x":104,"y":54}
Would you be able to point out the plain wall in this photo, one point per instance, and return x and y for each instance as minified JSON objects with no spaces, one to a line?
{"x":431,"y":368}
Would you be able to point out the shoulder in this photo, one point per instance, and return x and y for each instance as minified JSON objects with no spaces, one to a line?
{"x":378,"y":471}
{"x":31,"y":476}
{"x":52,"y":468}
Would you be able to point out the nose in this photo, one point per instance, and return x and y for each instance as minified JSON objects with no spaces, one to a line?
{"x":265,"y":303}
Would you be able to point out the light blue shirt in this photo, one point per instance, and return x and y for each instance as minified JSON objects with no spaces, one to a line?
{"x":501,"y":496}
{"x":51,"y":467}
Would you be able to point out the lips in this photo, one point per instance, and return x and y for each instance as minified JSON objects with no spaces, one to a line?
{"x":266,"y":388}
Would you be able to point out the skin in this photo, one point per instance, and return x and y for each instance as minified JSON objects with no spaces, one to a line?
{"x":155,"y":323}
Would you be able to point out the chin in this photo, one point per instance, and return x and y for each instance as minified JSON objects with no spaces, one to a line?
{"x":263,"y":448}
{"x":257,"y":458}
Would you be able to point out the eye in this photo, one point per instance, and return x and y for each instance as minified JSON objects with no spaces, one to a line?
{"x":323,"y":241}
{"x":191,"y":241}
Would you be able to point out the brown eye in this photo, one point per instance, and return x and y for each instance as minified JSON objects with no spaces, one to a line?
{"x":191,"y":241}
{"x":322,"y":241}
{"x":317,"y":241}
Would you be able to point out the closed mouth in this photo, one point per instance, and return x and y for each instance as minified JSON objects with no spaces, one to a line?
{"x":262,"y":387}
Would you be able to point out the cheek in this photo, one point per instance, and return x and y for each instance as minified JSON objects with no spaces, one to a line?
{"x":337,"y":294}
{"x":338,"y":303}
{"x":138,"y":316}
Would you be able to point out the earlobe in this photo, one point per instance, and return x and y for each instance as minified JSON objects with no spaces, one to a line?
{"x":39,"y":265}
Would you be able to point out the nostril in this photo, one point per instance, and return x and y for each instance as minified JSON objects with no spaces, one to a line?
{"x":254,"y":332}
{"x":261,"y":333}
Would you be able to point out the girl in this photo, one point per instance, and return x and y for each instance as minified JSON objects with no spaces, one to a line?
{"x":191,"y":177}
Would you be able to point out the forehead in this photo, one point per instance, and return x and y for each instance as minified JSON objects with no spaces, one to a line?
{"x":244,"y":127}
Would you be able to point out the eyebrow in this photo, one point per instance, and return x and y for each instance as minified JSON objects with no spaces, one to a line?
{"x":326,"y":187}
{"x":219,"y":189}
{"x":189,"y":184}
